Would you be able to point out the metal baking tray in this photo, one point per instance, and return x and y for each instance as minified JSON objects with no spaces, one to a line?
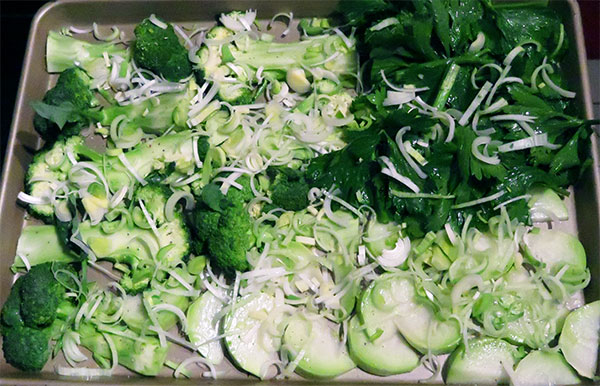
{"x":583,"y":203}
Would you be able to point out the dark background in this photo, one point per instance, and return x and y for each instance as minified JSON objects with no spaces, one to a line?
{"x":16,"y":16}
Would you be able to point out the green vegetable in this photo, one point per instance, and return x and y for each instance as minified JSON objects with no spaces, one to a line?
{"x":249,"y":346}
{"x":484,"y":361}
{"x":275,"y":59}
{"x":64,"y":52}
{"x":159,"y":51}
{"x":289,"y":189}
{"x":316,"y":342}
{"x":223,"y":228}
{"x":579,"y":339}
{"x":314,"y":25}
{"x":145,"y":356}
{"x":40,"y":244}
{"x":33,"y":314}
{"x":202,"y":326}
{"x":545,"y":367}
{"x":131,"y":248}
{"x":72,"y":90}
{"x":385,"y":355}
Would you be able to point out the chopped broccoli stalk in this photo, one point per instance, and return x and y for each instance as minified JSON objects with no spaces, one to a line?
{"x":63,"y":52}
{"x":159,"y":50}
{"x":289,"y":189}
{"x":132,"y":248}
{"x":40,"y":244}
{"x":33,"y":314}
{"x":56,"y":112}
{"x":136,"y":317}
{"x":51,"y":166}
{"x":144,"y":356}
{"x":314,"y":26}
{"x":223,"y":228}
{"x":277,"y":61}
{"x":67,"y":112}
{"x":154,"y":115}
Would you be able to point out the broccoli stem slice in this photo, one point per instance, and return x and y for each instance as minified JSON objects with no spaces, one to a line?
{"x":144,"y":356}
{"x":40,"y":244}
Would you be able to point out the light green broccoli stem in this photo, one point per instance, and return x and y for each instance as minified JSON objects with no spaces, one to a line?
{"x":63,"y":52}
{"x":40,"y":244}
{"x":144,"y":355}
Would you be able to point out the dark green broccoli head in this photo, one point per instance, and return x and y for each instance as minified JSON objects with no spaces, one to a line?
{"x":222,"y":227}
{"x":11,"y":311}
{"x":31,"y":314}
{"x":228,"y":246}
{"x":205,"y":223}
{"x":159,"y":51}
{"x":63,"y":106}
{"x":40,"y":294}
{"x":289,"y":189}
{"x":26,"y":348}
{"x":242,"y":196}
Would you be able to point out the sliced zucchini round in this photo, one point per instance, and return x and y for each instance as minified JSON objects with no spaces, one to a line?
{"x":579,"y":339}
{"x":250,"y":347}
{"x":545,"y":368}
{"x":555,"y":249}
{"x":484,"y":362}
{"x":392,"y":298}
{"x":545,"y":205}
{"x":388,"y":354}
{"x":202,"y":326}
{"x":316,"y":341}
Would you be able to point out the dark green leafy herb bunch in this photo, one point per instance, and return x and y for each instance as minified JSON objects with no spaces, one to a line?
{"x":469,"y":112}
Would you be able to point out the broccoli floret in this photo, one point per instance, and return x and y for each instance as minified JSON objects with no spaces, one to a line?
{"x":289,"y":189}
{"x":277,"y":61}
{"x":62,"y":103}
{"x":41,"y":294}
{"x":25,"y":348}
{"x":223,"y":228}
{"x":31,"y":316}
{"x":241,"y":196}
{"x":11,"y":311}
{"x":314,"y":26}
{"x":228,"y":246}
{"x":63,"y":52}
{"x":159,"y":50}
{"x":144,"y":355}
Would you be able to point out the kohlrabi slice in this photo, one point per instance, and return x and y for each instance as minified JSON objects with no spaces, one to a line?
{"x":555,"y":250}
{"x":579,"y":339}
{"x":202,"y":326}
{"x":545,"y":205}
{"x":544,"y":368}
{"x":485,"y":362}
{"x":313,"y":344}
{"x":251,"y":347}
{"x":387,"y":354}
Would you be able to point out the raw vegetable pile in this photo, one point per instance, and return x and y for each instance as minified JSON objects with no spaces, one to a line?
{"x":377,"y":193}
